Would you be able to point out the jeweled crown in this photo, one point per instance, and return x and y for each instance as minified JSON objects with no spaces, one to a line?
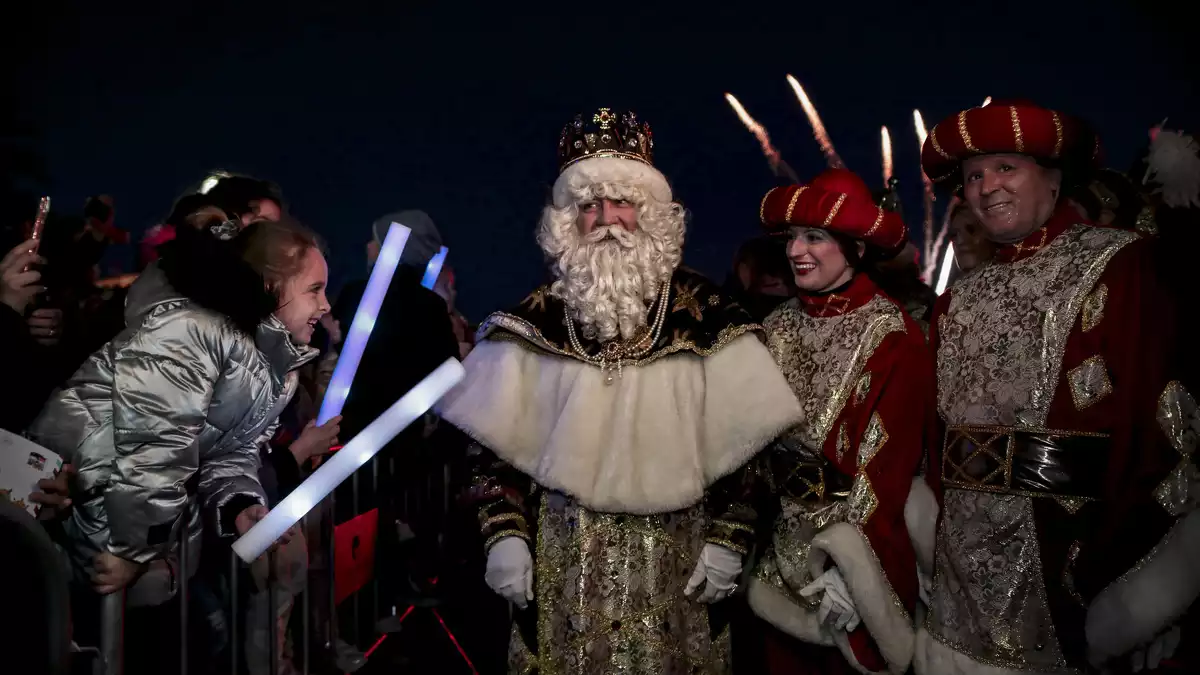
{"x":605,"y":134}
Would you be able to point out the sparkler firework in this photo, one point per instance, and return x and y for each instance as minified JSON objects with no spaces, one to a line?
{"x":928,"y":254}
{"x":831,"y":156}
{"x":931,"y":263}
{"x":774,"y":159}
{"x":886,"y":140}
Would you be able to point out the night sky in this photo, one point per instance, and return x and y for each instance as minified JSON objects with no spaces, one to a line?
{"x":457,"y":111}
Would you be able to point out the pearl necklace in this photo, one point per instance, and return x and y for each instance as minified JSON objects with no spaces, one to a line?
{"x":615,"y":353}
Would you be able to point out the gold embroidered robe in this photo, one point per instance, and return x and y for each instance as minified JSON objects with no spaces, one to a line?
{"x":618,"y":476}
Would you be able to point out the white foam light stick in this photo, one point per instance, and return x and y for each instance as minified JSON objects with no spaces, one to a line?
{"x":947,"y":263}
{"x":346,"y":461}
{"x":364,"y":321}
{"x":434,"y":269}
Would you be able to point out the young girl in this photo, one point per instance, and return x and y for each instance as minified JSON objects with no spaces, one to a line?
{"x":169,"y":413}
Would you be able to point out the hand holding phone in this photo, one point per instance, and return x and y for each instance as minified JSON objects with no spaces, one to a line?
{"x":18,"y":284}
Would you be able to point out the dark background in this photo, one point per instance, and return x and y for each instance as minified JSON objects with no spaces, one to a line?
{"x":360,"y":109}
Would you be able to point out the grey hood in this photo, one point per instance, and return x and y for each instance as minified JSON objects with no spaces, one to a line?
{"x":423,"y":243}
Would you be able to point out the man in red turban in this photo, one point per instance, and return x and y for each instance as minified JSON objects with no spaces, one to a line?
{"x":1069,"y":537}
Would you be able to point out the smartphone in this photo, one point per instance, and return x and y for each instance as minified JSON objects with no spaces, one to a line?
{"x":39,"y":224}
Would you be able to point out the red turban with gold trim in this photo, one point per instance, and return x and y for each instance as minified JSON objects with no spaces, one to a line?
{"x":1006,"y":127}
{"x":838,"y":200}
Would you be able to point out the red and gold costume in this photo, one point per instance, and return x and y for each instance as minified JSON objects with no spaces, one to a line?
{"x":863,"y":373}
{"x":618,"y":467}
{"x":1068,"y":534}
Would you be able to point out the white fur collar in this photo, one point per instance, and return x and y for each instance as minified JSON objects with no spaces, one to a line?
{"x":650,"y":442}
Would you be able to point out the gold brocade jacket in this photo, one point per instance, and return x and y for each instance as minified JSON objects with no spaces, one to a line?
{"x":1067,"y":458}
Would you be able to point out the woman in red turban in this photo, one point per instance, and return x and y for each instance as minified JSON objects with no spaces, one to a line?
{"x":839,"y":584}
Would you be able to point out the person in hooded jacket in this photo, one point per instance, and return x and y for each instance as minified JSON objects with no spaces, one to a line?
{"x":412,"y":336}
{"x":164,"y":421}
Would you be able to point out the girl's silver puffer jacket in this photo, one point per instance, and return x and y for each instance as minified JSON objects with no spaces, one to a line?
{"x":170,"y":410}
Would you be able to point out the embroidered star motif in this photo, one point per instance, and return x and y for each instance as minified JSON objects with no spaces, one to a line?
{"x":685,"y":299}
{"x":536,"y":300}
{"x":714,"y":300}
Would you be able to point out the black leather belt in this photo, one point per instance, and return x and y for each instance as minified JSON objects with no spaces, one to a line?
{"x":809,"y":480}
{"x":1033,"y":462}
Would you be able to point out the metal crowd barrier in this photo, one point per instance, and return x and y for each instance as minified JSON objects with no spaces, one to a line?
{"x":348,"y":656}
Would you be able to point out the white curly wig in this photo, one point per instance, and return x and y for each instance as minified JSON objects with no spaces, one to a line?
{"x":609,"y":278}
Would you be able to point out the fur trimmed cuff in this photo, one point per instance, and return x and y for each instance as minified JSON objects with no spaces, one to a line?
{"x":1138,"y":606}
{"x":890,"y":625}
{"x":780,"y":611}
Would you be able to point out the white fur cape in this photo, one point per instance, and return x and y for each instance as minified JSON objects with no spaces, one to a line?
{"x":651,"y":441}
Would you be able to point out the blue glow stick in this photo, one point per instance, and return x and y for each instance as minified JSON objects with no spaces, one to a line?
{"x":364,"y":322}
{"x":434,"y":269}
{"x":346,"y":461}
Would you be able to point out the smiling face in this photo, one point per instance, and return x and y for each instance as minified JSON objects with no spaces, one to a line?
{"x":818,"y":263}
{"x":302,"y":300}
{"x":1011,"y":195}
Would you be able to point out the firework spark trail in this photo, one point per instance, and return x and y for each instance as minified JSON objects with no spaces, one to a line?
{"x":927,"y":242}
{"x":886,"y":140}
{"x":931,"y":263}
{"x":774,"y":159}
{"x":831,"y":156}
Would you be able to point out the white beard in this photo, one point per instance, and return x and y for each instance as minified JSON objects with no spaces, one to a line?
{"x":609,"y":281}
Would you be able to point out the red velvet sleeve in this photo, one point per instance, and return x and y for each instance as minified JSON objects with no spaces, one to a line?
{"x":1120,"y":358}
{"x":888,"y":428}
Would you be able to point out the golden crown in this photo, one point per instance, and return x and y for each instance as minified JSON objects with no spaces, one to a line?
{"x":605,"y":134}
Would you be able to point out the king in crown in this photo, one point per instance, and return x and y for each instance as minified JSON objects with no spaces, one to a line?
{"x":613,"y":413}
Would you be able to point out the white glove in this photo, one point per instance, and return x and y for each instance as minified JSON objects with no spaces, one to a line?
{"x":1163,"y":647}
{"x":837,"y":608}
{"x":924,"y":587}
{"x":718,"y":570}
{"x":510,"y":570}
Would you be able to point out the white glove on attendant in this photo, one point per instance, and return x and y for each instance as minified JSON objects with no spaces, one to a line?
{"x":1163,"y":647}
{"x":510,"y":571}
{"x":924,"y":587}
{"x":837,"y":608}
{"x":718,"y":570}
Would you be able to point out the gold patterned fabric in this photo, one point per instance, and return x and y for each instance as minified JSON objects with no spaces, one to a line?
{"x":610,"y":595}
{"x":1093,"y":308}
{"x":999,"y":360}
{"x":873,"y":439}
{"x":1089,"y":382}
{"x":1002,"y":339}
{"x":823,"y":357}
{"x":785,"y":563}
{"x":1179,"y":418}
{"x":989,"y":597}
